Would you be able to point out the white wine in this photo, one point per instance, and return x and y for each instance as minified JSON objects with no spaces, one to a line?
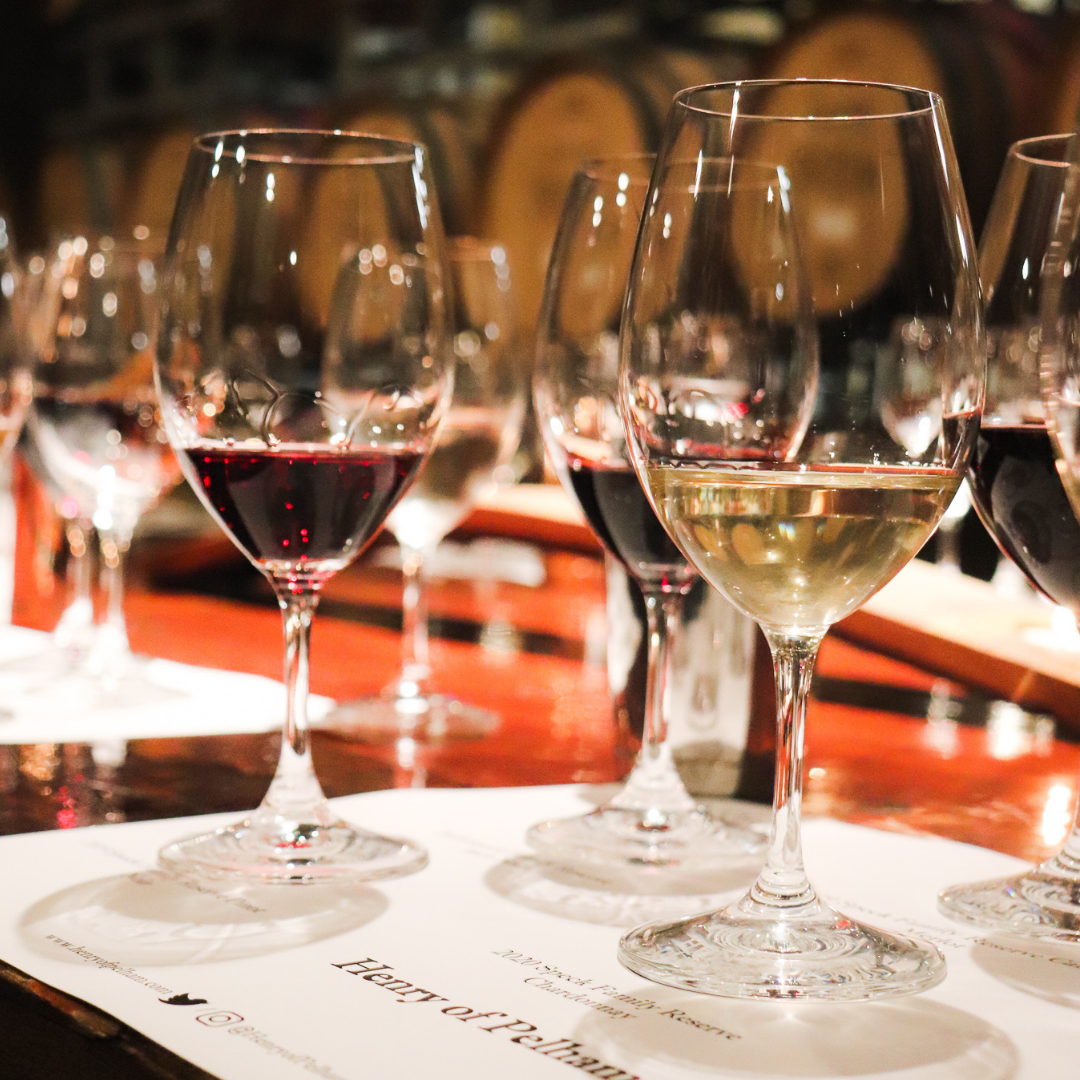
{"x":800,"y":549}
{"x":462,"y":464}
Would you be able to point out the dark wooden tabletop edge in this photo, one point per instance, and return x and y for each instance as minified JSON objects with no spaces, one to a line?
{"x":31,"y":1005}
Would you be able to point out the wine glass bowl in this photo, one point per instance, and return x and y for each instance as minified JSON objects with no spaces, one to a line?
{"x":652,"y":821}
{"x":482,"y":427}
{"x":1019,"y":487}
{"x":17,"y":330}
{"x":95,"y":427}
{"x":302,"y":370}
{"x":802,"y":372}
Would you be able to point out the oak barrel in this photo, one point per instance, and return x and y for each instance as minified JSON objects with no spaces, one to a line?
{"x":990,"y":67}
{"x":81,"y":188}
{"x":452,"y":156}
{"x":560,"y":118}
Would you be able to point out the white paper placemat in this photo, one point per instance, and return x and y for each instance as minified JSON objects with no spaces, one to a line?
{"x":158,"y":699}
{"x":483,"y":966}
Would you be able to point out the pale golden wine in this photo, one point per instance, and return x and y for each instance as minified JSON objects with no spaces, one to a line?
{"x":800,"y":549}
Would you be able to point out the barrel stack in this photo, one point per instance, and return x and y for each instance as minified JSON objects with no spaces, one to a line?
{"x":508,"y":109}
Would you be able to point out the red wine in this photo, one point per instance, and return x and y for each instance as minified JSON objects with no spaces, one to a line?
{"x":1019,"y":496}
{"x":305,"y":511}
{"x":617,"y":509}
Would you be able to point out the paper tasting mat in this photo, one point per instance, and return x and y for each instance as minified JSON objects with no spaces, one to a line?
{"x":486,"y":964}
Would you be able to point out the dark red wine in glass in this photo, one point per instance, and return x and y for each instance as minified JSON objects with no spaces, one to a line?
{"x":615,"y":505}
{"x":304,"y":510}
{"x":302,"y":368}
{"x":652,"y":821}
{"x":1019,"y":496}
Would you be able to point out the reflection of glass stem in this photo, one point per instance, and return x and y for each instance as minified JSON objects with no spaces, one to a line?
{"x":409,"y":771}
{"x":654,"y":785}
{"x":415,"y":656}
{"x":75,"y":628}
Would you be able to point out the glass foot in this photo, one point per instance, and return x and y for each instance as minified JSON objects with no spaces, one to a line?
{"x":271,"y":850}
{"x":746,"y":951}
{"x":1044,"y":902}
{"x":640,"y":837}
{"x":432,"y":718}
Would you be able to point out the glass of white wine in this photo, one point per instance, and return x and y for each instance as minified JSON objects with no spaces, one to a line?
{"x":798,"y":516}
{"x":478,"y":437}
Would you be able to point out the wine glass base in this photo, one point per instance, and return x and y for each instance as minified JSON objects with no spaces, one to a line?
{"x":1044,"y":902}
{"x":819,"y":956}
{"x":62,"y":682}
{"x":624,"y":836}
{"x":434,"y":718}
{"x":305,"y":854}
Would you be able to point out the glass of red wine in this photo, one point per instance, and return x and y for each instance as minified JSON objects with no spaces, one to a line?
{"x":303,"y":371}
{"x":652,"y":821}
{"x":1016,"y":485}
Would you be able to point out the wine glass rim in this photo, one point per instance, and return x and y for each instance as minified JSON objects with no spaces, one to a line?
{"x":1020,"y":150}
{"x":475,"y":249}
{"x":89,"y":244}
{"x":391,"y":152}
{"x":609,"y":169}
{"x":682,"y":98}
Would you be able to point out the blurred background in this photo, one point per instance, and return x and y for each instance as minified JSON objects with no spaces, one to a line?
{"x":99,"y":98}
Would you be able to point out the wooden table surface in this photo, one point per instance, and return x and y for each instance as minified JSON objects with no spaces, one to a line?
{"x":527,"y":653}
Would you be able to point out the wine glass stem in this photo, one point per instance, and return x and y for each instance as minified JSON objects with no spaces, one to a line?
{"x":294,"y":791}
{"x":415,"y":658}
{"x":77,"y":620}
{"x":113,"y":547}
{"x":783,"y":882}
{"x":655,"y":783}
{"x":949,"y":544}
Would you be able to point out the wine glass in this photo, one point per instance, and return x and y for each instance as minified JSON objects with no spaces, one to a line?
{"x":798,"y":514}
{"x":95,"y":426}
{"x":652,"y":821}
{"x":16,"y":329}
{"x":17,"y":287}
{"x":1018,"y":492}
{"x":478,"y":437}
{"x":302,"y":368}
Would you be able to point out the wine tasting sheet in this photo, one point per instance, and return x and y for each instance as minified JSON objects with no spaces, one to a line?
{"x":156,"y":699}
{"x":488,"y":965}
